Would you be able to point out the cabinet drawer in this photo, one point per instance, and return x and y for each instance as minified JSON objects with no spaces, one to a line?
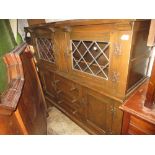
{"x":47,"y":80}
{"x":69,"y":96}
{"x":69,"y":104}
{"x":73,"y":102}
{"x":139,"y":126}
{"x":70,"y":88}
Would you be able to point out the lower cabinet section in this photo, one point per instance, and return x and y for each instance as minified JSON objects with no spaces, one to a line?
{"x":136,"y":126}
{"x":91,"y":110}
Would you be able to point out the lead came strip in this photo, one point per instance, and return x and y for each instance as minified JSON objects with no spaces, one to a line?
{"x":45,"y":49}
{"x":91,"y":57}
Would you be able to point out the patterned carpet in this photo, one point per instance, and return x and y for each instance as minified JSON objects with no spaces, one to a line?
{"x":59,"y":124}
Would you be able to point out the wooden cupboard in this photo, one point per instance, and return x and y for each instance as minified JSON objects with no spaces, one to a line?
{"x":89,"y":67}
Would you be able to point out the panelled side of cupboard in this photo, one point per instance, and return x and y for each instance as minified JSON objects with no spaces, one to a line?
{"x":89,"y":67}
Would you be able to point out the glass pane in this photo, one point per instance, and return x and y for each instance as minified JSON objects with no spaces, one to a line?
{"x":91,"y":57}
{"x":45,"y":49}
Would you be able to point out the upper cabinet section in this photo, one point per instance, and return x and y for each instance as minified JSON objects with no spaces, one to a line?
{"x":110,"y":56}
{"x":43,"y":42}
{"x":98,"y":53}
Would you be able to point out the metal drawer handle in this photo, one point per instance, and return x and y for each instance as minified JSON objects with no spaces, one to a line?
{"x":73,"y":89}
{"x":59,"y":91}
{"x":59,"y":102}
{"x":75,"y":100}
{"x":74,"y":112}
{"x":57,"y":81}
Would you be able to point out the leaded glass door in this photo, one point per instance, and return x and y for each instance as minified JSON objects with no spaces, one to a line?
{"x":91,"y":57}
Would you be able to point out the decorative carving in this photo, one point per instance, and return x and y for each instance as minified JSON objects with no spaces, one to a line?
{"x":115,"y":77}
{"x":117,"y":49}
{"x":67,"y":29}
{"x":10,"y":98}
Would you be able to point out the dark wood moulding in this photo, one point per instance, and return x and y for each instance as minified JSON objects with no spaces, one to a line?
{"x":9,"y":99}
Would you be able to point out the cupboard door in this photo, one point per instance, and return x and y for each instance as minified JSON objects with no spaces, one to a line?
{"x":48,"y":83}
{"x":43,"y":41}
{"x":99,"y":112}
{"x":90,"y":55}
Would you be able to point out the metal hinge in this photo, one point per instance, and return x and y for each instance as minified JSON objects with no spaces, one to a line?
{"x":67,"y":29}
{"x":117,"y":49}
{"x":115,"y":77}
{"x":113,"y":110}
{"x":109,"y":132}
{"x":52,"y":29}
{"x":83,"y":101}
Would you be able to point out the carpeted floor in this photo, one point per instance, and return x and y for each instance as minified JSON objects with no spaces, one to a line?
{"x":59,"y":124}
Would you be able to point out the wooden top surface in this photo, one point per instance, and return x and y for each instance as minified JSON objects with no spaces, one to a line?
{"x":77,"y":22}
{"x":82,"y":22}
{"x":135,"y":105}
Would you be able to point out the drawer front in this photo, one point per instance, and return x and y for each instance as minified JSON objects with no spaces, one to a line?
{"x":48,"y":84}
{"x":138,"y":126}
{"x":66,"y":103}
{"x":68,"y":94}
{"x":69,"y":88}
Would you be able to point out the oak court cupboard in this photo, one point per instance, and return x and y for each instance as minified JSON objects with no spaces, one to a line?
{"x":88,"y":68}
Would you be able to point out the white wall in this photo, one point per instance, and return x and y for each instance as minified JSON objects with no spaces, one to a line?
{"x":13,"y":23}
{"x":21,"y":24}
{"x":53,"y":20}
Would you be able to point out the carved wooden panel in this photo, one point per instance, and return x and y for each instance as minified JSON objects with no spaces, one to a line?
{"x":10,"y":98}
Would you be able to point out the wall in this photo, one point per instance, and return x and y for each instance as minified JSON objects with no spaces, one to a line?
{"x":7,"y":43}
